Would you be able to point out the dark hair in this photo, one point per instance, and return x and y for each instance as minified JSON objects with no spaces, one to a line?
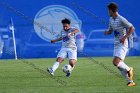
{"x":113,"y":7}
{"x":67,"y":21}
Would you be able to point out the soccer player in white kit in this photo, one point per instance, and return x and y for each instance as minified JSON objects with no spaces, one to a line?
{"x":122,"y":30}
{"x":68,"y":47}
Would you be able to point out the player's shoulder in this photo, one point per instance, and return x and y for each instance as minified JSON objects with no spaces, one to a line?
{"x":63,"y":31}
{"x":73,"y":28}
{"x":124,"y":21}
{"x":111,"y":19}
{"x":121,"y":18}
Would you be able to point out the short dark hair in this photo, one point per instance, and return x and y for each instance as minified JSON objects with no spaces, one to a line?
{"x":113,"y":7}
{"x":65,"y":21}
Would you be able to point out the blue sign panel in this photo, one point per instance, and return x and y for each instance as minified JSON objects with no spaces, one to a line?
{"x":35,"y":23}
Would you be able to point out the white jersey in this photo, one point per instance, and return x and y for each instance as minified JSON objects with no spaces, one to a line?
{"x":120,"y":26}
{"x":68,"y":42}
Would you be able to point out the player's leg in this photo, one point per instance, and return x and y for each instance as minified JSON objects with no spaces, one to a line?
{"x":72,"y":54}
{"x":60,"y":58}
{"x":72,"y":62}
{"x":120,"y":64}
{"x":127,"y":72}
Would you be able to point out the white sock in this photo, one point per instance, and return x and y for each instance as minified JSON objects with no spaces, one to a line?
{"x":55,"y":66}
{"x":123,"y":66}
{"x":124,"y":73}
{"x":72,"y":68}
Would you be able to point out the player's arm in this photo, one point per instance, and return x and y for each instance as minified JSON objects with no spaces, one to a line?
{"x":56,"y":40}
{"x":130,"y":29}
{"x":109,"y":31}
{"x":73,"y":32}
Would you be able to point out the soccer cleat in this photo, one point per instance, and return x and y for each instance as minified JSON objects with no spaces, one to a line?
{"x":131,"y":84}
{"x":130,"y":73}
{"x":50,"y":71}
{"x":68,"y":74}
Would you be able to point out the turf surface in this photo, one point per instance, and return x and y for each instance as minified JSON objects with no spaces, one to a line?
{"x":30,"y":76}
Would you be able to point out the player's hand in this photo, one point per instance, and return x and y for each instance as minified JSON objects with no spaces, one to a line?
{"x":68,"y":34}
{"x":105,"y":32}
{"x":53,"y":41}
{"x":123,"y":39}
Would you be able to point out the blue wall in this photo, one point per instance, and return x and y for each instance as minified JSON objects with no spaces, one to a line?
{"x":91,"y":15}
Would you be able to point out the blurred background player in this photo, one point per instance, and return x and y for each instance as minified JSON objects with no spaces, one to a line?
{"x":68,"y":46}
{"x":122,"y":30}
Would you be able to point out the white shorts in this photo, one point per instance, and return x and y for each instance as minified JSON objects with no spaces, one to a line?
{"x":120,"y":51}
{"x":70,"y":52}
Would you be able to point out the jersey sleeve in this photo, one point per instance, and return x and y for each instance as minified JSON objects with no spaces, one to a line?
{"x":126,"y":23}
{"x":73,"y":28}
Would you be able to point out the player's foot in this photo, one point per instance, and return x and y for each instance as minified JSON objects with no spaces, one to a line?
{"x":131,"y":84}
{"x":50,"y":71}
{"x":130,"y":73}
{"x":68,"y":74}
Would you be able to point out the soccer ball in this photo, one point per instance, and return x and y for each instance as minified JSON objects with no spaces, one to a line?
{"x":67,"y":68}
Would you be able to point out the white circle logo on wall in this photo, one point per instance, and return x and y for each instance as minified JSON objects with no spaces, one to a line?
{"x":47,"y":22}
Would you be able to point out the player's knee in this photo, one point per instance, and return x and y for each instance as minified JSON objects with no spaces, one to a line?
{"x":116,"y":61}
{"x":59,"y":59}
{"x":72,"y":62}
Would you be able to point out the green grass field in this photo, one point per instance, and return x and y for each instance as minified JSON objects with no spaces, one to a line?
{"x":27,"y":76}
